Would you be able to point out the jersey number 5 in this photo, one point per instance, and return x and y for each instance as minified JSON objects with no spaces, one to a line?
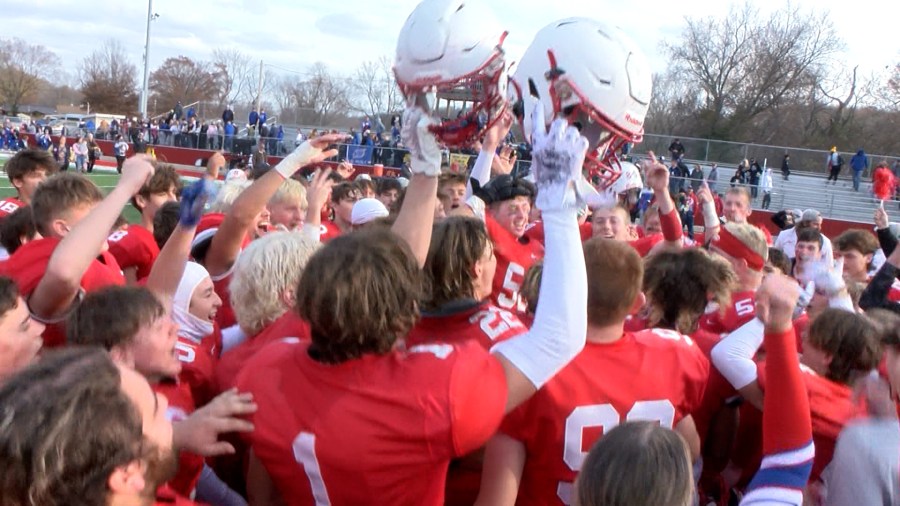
{"x":305,"y":452}
{"x":605,"y":416}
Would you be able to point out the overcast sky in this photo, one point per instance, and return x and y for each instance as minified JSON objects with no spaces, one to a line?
{"x":295,"y":34}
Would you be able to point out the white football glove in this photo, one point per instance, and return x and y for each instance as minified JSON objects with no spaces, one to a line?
{"x":806,"y":295}
{"x":828,"y":276}
{"x":297,"y":159}
{"x":425,"y":154}
{"x":557,"y":160}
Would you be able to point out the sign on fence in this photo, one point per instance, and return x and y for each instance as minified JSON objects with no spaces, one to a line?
{"x":361,"y":155}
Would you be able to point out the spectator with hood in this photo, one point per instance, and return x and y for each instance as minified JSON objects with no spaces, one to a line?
{"x":858,"y":163}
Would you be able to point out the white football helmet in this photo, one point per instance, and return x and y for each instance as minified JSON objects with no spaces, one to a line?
{"x":593,"y":74}
{"x":629,"y":179}
{"x":453,"y":45}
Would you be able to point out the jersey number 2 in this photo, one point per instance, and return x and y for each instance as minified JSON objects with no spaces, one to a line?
{"x":305,"y":452}
{"x":605,"y":416}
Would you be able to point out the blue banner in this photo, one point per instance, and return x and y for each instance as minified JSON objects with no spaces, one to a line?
{"x":361,"y":155}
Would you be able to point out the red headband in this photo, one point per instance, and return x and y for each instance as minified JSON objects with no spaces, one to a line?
{"x":730,"y":244}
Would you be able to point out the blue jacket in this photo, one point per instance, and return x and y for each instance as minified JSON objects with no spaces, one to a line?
{"x":262,"y":118}
{"x":254,"y":118}
{"x":860,"y":161}
{"x":229,"y":129}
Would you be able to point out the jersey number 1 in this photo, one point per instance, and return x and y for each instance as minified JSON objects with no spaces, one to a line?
{"x":305,"y":452}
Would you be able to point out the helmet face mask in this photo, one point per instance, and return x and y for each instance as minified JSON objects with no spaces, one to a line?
{"x":593,"y":75}
{"x":453,"y":48}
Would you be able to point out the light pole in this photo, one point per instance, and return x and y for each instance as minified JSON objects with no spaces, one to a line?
{"x":144,"y":89}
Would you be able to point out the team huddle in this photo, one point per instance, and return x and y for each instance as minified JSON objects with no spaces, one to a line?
{"x":305,"y":335}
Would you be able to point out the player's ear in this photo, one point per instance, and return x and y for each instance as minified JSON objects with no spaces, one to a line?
{"x":127,"y":480}
{"x":638,"y":303}
{"x":288,"y":297}
{"x":18,"y":183}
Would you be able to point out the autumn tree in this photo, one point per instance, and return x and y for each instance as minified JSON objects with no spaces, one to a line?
{"x":109,"y":80}
{"x":746,"y":65}
{"x":374,"y":89}
{"x":24,"y":70}
{"x":185,"y":79}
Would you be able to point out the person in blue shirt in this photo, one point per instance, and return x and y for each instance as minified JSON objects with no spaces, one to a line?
{"x":858,"y":163}
{"x":229,"y":136}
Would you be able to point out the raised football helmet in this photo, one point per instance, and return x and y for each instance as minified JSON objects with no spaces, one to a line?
{"x":453,"y":46}
{"x":593,"y":74}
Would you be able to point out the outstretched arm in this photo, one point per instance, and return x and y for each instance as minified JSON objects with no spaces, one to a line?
{"x":70,"y":260}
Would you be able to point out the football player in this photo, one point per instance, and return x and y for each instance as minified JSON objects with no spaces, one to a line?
{"x":26,"y":170}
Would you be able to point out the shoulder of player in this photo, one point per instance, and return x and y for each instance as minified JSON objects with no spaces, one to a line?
{"x":663,"y":339}
{"x":272,"y":356}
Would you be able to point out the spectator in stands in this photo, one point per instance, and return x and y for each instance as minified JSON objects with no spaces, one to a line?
{"x":786,"y":166}
{"x":260,"y":157}
{"x":178,"y":111}
{"x":94,"y":152}
{"x":696,"y":178}
{"x":859,"y":163}
{"x":227,"y":115}
{"x":262,"y":117}
{"x":766,"y":185}
{"x":713,"y":177}
{"x":81,"y":150}
{"x":212,"y":136}
{"x":253,"y":121}
{"x":754,"y":174}
{"x":229,"y":136}
{"x":835,"y":162}
{"x":676,"y":149}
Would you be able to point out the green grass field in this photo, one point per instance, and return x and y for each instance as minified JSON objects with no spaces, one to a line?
{"x":104,"y":180}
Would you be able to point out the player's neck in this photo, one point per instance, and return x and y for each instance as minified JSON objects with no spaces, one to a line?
{"x":749,"y":281}
{"x":605,"y":334}
{"x":341,"y":224}
{"x":147,"y":223}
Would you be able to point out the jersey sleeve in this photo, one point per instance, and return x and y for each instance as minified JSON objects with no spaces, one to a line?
{"x":478,"y":392}
{"x":134,"y":248}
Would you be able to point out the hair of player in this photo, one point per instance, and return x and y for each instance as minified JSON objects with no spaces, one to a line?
{"x":9,"y":295}
{"x":265,"y":271}
{"x":741,"y":191}
{"x":450,"y":179}
{"x":59,"y":195}
{"x":112,"y":317}
{"x":531,"y":286}
{"x":228,"y":193}
{"x":751,"y":237}
{"x":165,"y":221}
{"x":386,"y":184}
{"x":457,"y":244}
{"x":163,"y":180}
{"x":290,"y":191}
{"x":887,"y":323}
{"x":374,"y":285}
{"x":680,"y":284}
{"x":636,"y":463}
{"x":857,"y":239}
{"x":67,"y":426}
{"x":624,"y":213}
{"x":27,"y":161}
{"x":365,"y":185}
{"x":615,"y":274}
{"x":851,"y":339}
{"x":17,"y":226}
{"x":811,"y":235}
{"x":343,"y":190}
{"x":779,"y":260}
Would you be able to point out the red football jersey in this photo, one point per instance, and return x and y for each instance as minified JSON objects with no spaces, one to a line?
{"x":831,"y":405}
{"x":482,"y":322}
{"x":225,"y":316}
{"x":535,"y":231}
{"x":380,"y":428}
{"x":134,"y":247}
{"x":10,"y":205}
{"x":741,"y":310}
{"x":29,"y":263}
{"x":650,"y":375}
{"x":646,"y":243}
{"x":230,"y":364}
{"x":181,"y":405}
{"x":198,"y":364}
{"x":514,"y":258}
{"x":328,"y":231}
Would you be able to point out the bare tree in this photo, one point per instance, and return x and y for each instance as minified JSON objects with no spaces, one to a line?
{"x":746,"y":65}
{"x":187,"y":80}
{"x":318,"y":99}
{"x":24,"y":70}
{"x":374,"y":89}
{"x":109,"y":80}
{"x":238,"y":76}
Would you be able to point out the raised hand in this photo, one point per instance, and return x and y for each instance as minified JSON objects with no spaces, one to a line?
{"x":136,"y":171}
{"x":558,"y":157}
{"x":345,"y":169}
{"x":193,"y":201}
{"x":504,"y":162}
{"x":828,"y":276}
{"x":881,"y":218}
{"x":199,"y":433}
{"x":310,"y":152}
{"x":656,"y":174}
{"x":319,"y":190}
{"x":776,"y":299}
{"x":425,"y":154}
